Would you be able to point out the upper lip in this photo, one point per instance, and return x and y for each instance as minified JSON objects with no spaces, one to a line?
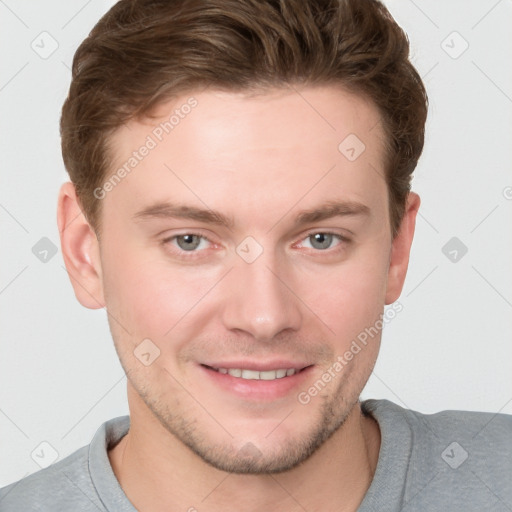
{"x":261,"y":366}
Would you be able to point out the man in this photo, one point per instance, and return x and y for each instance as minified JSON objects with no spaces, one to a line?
{"x":240,"y":204}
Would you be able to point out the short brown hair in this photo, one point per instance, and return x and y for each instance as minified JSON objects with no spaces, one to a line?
{"x":143,"y":53}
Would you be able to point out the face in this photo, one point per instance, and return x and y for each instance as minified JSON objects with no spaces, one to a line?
{"x":248,"y":249}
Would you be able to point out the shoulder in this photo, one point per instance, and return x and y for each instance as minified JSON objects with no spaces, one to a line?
{"x":451,"y":457}
{"x":74,"y":483}
{"x":61,"y":486}
{"x":483,"y":435}
{"x":493,"y":429}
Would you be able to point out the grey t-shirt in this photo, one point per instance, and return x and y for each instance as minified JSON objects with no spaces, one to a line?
{"x":449,"y":461}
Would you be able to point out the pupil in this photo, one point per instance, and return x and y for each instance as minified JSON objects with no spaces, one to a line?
{"x":321,"y":240}
{"x":188,"y":242}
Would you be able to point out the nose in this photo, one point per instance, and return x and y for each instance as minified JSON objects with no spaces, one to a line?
{"x":260,"y":300}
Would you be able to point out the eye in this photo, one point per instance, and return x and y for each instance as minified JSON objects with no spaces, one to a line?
{"x":188,"y":242}
{"x":322,"y":240}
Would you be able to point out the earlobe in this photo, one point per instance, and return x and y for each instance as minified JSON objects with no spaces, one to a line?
{"x":401,"y":248}
{"x":80,"y":249}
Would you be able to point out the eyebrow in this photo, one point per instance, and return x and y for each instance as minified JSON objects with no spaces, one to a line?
{"x":169,"y":210}
{"x":332,"y":209}
{"x":325,"y":211}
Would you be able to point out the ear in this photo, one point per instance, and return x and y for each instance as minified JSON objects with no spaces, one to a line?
{"x":80,"y":249}
{"x":401,"y":248}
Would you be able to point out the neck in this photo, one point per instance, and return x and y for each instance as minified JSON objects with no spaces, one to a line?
{"x":158,"y":473}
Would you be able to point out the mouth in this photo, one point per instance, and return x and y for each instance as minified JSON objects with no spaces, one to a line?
{"x":243,"y":373}
{"x":263,"y":383}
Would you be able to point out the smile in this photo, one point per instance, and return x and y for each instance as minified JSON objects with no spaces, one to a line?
{"x":258,"y":375}
{"x":258,"y":380}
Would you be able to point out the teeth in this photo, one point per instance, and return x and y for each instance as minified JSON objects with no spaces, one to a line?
{"x":250,"y":374}
{"x":255,"y":375}
{"x":268,"y":375}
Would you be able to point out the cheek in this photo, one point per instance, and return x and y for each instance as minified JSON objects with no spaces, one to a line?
{"x":152,"y":296}
{"x":351,"y":296}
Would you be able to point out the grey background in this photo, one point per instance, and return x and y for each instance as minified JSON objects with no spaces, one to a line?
{"x":448,"y":349}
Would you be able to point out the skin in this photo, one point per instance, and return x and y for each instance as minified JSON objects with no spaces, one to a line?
{"x":261,"y":159}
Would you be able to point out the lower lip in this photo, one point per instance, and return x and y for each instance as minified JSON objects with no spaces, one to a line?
{"x":253,"y":389}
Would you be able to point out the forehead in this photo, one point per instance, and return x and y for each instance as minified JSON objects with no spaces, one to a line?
{"x":236,"y":152}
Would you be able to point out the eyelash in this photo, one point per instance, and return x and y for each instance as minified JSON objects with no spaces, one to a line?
{"x":196,"y":254}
